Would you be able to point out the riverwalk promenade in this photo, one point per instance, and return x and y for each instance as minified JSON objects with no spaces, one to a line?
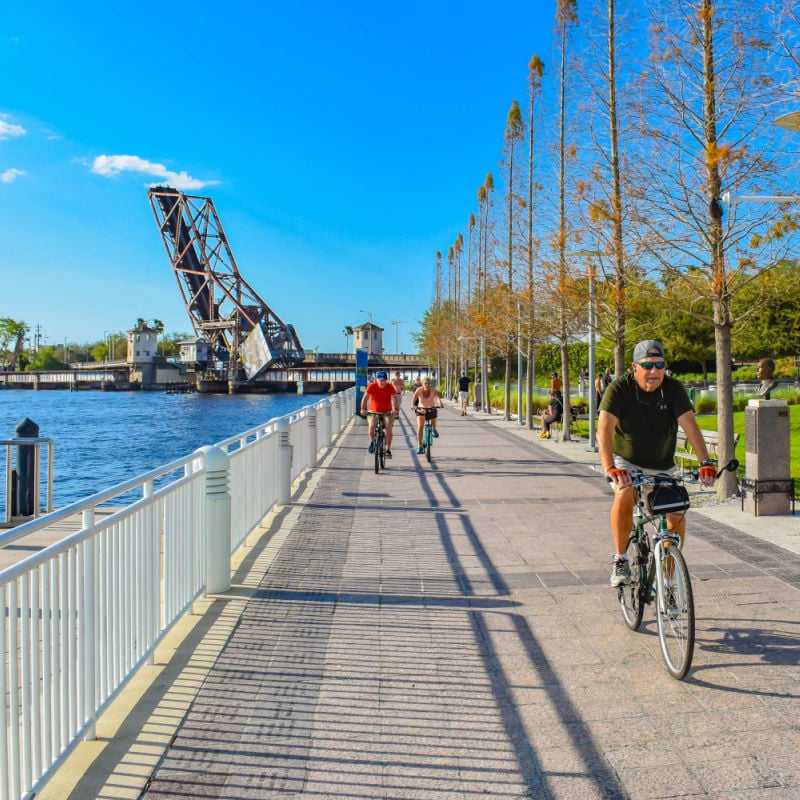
{"x":447,"y":630}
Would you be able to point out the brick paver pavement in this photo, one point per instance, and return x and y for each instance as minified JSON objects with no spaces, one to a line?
{"x":446,"y":630}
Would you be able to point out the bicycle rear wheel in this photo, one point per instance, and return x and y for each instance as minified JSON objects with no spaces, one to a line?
{"x":630,"y":594}
{"x":378,"y":451}
{"x":675,"y":613}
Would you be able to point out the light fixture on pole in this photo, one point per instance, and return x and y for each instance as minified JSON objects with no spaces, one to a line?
{"x":363,"y":311}
{"x":790,"y":121}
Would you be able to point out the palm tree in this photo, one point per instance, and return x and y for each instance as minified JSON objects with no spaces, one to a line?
{"x":348,"y":332}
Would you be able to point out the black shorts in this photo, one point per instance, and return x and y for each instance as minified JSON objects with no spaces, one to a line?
{"x":429,"y":413}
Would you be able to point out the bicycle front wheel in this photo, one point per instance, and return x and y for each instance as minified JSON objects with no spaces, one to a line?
{"x":630,"y":594}
{"x":675,"y":612}
{"x":428,"y":442}
{"x":378,"y":452}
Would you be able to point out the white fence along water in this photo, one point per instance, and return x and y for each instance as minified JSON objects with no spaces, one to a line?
{"x":82,"y":615}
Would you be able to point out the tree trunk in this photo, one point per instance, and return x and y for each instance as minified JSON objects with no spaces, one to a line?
{"x":565,"y":426}
{"x":529,"y":376}
{"x":726,"y":485}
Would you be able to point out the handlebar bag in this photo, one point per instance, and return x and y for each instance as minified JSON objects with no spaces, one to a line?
{"x":667,"y":498}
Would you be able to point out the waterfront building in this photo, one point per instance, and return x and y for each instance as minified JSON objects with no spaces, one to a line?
{"x":368,"y":337}
{"x":142,"y":345}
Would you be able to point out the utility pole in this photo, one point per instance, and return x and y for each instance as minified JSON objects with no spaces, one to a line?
{"x":397,"y":323}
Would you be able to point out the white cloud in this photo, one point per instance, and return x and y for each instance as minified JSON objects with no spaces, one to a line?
{"x":7,"y":130}
{"x":10,"y":175}
{"x":110,"y":166}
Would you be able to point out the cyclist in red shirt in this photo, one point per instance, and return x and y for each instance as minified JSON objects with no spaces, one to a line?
{"x":380,"y":397}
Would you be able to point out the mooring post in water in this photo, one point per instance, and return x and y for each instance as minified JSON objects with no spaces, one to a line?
{"x":24,"y":494}
{"x":218,"y":520}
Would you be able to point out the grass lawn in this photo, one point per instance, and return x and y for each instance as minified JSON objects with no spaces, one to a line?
{"x":709,"y":422}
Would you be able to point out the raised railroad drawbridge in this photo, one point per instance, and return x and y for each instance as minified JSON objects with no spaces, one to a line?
{"x":245,"y":335}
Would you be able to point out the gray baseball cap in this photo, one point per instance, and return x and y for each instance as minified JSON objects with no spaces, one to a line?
{"x":649,"y":348}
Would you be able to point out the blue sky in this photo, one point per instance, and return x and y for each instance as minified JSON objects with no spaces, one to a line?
{"x":342,"y":144}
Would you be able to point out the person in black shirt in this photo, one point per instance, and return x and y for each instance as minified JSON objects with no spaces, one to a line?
{"x":463,"y":393}
{"x":637,"y":429}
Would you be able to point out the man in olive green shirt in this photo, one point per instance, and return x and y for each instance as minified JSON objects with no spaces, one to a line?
{"x":637,"y":429}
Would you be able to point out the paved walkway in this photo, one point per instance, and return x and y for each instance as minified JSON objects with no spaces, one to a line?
{"x":446,"y":630}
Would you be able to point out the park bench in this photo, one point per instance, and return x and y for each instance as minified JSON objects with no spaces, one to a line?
{"x":684,"y":453}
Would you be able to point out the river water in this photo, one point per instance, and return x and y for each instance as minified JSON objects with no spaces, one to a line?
{"x":104,"y":438}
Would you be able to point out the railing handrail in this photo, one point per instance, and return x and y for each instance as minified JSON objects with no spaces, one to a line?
{"x":71,"y":539}
{"x":93,"y":500}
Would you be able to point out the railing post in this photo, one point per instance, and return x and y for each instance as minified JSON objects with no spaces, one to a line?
{"x":325,"y":425}
{"x":336,"y":417}
{"x":313,"y":445}
{"x":284,"y":462}
{"x":218,"y":520}
{"x":90,"y":632}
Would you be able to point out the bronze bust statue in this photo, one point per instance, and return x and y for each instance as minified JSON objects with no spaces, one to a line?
{"x":764,"y":373}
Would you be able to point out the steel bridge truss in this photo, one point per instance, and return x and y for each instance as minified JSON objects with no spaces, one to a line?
{"x":225,"y":310}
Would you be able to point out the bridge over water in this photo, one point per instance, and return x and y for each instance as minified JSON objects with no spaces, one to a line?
{"x":318,"y":374}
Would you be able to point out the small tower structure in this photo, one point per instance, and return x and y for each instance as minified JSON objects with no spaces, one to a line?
{"x":368,"y":337}
{"x":142,"y":345}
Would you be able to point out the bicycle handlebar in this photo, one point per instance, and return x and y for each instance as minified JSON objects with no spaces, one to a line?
{"x":638,"y":477}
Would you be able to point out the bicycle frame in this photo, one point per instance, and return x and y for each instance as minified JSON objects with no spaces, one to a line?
{"x":658,"y":537}
{"x":380,"y":443}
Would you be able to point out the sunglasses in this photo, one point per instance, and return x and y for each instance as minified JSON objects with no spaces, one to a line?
{"x":648,"y":365}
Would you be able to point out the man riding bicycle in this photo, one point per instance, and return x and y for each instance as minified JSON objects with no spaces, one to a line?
{"x":380,"y":398}
{"x":637,"y":430}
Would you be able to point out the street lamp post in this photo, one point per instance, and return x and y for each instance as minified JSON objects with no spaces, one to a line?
{"x":484,"y":396}
{"x":592,"y":394}
{"x":362,"y":311}
{"x":108,"y":336}
{"x":592,"y":357}
{"x":520,"y":418}
{"x":397,"y":323}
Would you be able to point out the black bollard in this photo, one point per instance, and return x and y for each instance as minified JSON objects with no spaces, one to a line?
{"x":26,"y":477}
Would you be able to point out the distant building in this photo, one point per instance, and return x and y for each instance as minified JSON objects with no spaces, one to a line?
{"x":142,"y":345}
{"x":368,"y":337}
{"x":195,"y":351}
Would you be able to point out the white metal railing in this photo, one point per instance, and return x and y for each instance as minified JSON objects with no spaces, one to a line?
{"x":78,"y":618}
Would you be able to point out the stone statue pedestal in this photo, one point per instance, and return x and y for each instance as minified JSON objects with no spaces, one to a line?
{"x":767,"y":484}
